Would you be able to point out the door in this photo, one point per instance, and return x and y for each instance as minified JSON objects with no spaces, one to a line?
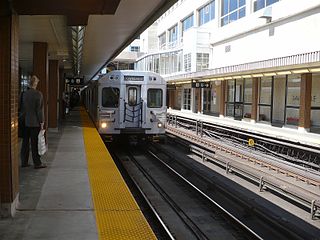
{"x":133,"y":106}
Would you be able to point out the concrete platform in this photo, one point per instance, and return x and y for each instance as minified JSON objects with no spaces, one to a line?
{"x":55,"y":202}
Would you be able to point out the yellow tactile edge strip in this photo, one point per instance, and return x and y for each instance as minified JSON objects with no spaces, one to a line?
{"x":117,"y":214}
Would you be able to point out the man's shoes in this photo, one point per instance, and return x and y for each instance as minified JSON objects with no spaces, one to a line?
{"x":25,"y":165}
{"x":40,"y":166}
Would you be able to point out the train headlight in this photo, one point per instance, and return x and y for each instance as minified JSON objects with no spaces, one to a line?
{"x":103,"y":125}
{"x":160,"y":125}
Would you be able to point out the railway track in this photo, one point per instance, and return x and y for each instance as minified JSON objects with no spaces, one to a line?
{"x":194,"y":213}
{"x":257,"y":167}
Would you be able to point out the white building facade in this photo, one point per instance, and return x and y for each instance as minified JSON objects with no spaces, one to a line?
{"x":261,"y":58}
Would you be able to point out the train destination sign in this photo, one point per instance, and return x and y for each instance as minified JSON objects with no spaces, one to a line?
{"x":133,"y":78}
{"x":200,"y":85}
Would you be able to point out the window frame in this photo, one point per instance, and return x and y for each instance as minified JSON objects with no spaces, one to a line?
{"x":148,"y":99}
{"x":115,"y":105}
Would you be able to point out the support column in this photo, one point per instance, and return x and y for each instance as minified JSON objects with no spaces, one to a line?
{"x":9,"y":78}
{"x":62,"y":107}
{"x":40,"y":69}
{"x":53,"y":97}
{"x":222,"y":98}
{"x":255,"y":93}
{"x":305,"y":102}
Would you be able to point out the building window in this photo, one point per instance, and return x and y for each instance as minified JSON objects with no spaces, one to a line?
{"x":206,"y":13}
{"x":173,"y":36}
{"x":230,"y":98}
{"x":202,"y":61}
{"x":247,"y":99}
{"x":135,"y":49}
{"x":315,"y":103}
{"x":187,"y":23}
{"x":186,"y":99}
{"x":187,"y":62}
{"x":265,"y":99}
{"x":162,"y":41}
{"x":259,"y":4}
{"x":232,"y":10}
{"x":293,"y":100}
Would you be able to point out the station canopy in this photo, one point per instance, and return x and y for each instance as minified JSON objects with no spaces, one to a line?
{"x":84,"y":35}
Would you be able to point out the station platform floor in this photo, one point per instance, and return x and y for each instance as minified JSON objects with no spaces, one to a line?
{"x":293,"y":134}
{"x":80,"y":195}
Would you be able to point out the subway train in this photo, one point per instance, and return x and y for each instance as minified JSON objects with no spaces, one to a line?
{"x":127,"y":102}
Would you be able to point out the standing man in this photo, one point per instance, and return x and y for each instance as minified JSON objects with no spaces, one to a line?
{"x":34,"y":121}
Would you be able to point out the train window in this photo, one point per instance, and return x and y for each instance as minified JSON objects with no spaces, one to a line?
{"x":132,"y":96}
{"x":110,"y":97}
{"x":155,"y":98}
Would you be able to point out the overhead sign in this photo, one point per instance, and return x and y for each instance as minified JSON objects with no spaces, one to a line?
{"x":74,"y":80}
{"x":200,"y":85}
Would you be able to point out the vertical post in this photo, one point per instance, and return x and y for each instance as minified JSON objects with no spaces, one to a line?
{"x":53,"y":97}
{"x":222,"y":98}
{"x":9,"y":75}
{"x":255,"y":92}
{"x":40,"y":69}
{"x":305,"y":102}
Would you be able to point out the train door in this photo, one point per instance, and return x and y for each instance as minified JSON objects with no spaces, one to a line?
{"x":133,"y":106}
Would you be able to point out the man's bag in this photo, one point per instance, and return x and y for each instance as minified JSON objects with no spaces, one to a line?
{"x":42,"y":147}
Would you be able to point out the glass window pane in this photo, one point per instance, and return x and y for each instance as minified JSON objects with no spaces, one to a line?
{"x":315,"y":118}
{"x":242,"y":12}
{"x":110,"y":97}
{"x":292,"y":116}
{"x":230,"y":110}
{"x":132,"y":96}
{"x":224,"y":7}
{"x":264,"y":113}
{"x":248,"y":91}
{"x":154,"y":98}
{"x":230,"y":91}
{"x":247,"y":111}
{"x":233,"y":5}
{"x":293,"y":91}
{"x":269,"y":2}
{"x":265,"y":90}
{"x":315,"y":93}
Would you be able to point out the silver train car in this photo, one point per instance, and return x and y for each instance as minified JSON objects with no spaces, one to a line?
{"x":127,"y":102}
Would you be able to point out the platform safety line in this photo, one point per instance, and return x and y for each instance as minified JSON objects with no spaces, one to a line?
{"x":118,"y":216}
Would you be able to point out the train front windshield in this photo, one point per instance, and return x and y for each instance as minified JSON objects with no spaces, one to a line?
{"x":155,"y":98}
{"x":110,"y":97}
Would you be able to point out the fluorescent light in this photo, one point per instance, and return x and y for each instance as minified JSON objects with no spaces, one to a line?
{"x":246,"y":76}
{"x":237,"y":77}
{"x":228,"y":78}
{"x":283,"y":73}
{"x":314,"y":69}
{"x":269,"y":74}
{"x":300,"y":71}
{"x":220,"y":79}
{"x":257,"y":75}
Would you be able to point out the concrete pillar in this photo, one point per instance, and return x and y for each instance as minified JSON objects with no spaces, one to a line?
{"x":62,"y":107}
{"x":9,"y":87}
{"x":222,"y":98}
{"x":53,"y":96}
{"x":255,"y":100}
{"x":305,"y":102}
{"x":40,"y":69}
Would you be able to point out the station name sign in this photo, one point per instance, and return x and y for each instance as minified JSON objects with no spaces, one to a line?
{"x":200,"y":85}
{"x":133,"y":78}
{"x":74,"y":80}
